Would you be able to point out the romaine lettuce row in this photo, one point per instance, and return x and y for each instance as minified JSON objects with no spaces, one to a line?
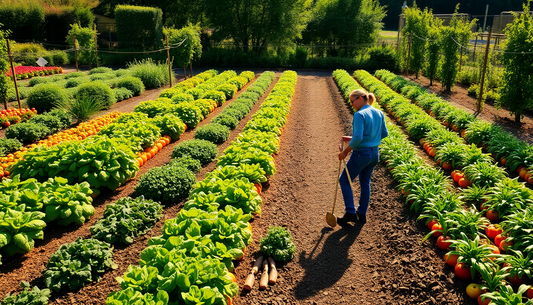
{"x":249,"y":156}
{"x":267,"y":141}
{"x":264,"y":124}
{"x":139,"y":136}
{"x":252,"y":172}
{"x":131,"y":296}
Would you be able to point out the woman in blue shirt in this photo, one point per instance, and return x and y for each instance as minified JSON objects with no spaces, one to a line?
{"x":368,"y":130}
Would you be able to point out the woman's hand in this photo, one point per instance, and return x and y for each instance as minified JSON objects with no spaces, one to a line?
{"x":342,"y":155}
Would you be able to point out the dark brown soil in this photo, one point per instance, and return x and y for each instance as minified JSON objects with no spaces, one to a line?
{"x":381,"y":262}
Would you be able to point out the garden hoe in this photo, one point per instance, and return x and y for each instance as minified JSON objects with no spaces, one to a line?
{"x":331,"y":219}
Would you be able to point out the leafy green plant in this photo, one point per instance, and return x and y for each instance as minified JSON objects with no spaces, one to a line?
{"x":215,"y":95}
{"x":78,"y":263}
{"x":166,"y":184}
{"x":506,"y":296}
{"x":484,"y":174}
{"x":187,"y":162}
{"x":202,"y":150}
{"x":122,"y":94}
{"x":251,"y":155}
{"x":43,"y":97}
{"x":170,"y":125}
{"x":152,"y":74}
{"x":190,"y":114}
{"x":8,"y":146}
{"x":140,"y":136}
{"x":226,"y":119}
{"x":34,"y":296}
{"x":52,"y":122}
{"x":252,"y":172}
{"x":19,"y":229}
{"x":474,"y":254}
{"x":134,"y":84}
{"x":519,"y":227}
{"x":213,"y":132}
{"x":228,"y":89}
{"x":278,"y":244}
{"x":130,"y":296}
{"x":98,"y":91}
{"x":127,"y":219}
{"x":81,"y":108}
{"x":185,"y":97}
{"x":27,"y":132}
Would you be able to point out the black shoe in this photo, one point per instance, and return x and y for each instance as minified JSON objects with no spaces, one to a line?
{"x":361,"y":218}
{"x":348,"y":217}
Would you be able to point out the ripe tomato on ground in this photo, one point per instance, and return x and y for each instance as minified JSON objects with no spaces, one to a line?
{"x":462,"y":270}
{"x":473,"y":290}
{"x":431,"y":223}
{"x":480,"y":302}
{"x":530,"y":293}
{"x":492,"y":230}
{"x":436,"y":226}
{"x":451,"y":260}
{"x":493,"y":215}
{"x":443,"y":242}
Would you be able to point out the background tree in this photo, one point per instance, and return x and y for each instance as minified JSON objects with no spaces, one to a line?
{"x":517,"y":83}
{"x":417,"y":22}
{"x":4,"y":66}
{"x":458,"y":32}
{"x":85,"y":41}
{"x":433,"y":49}
{"x":191,"y":46}
{"x":257,"y":23}
{"x":344,"y":23}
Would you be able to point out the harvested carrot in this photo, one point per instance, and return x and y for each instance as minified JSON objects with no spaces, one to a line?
{"x":273,"y":276}
{"x":263,"y":283}
{"x":257,"y":265}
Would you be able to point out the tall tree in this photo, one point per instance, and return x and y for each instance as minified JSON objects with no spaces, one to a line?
{"x":418,"y":22}
{"x":517,"y":83}
{"x":433,"y":49}
{"x":344,"y":22}
{"x":257,"y":23}
{"x":189,"y":45}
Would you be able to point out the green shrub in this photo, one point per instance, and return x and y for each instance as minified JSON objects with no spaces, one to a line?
{"x":238,"y":81}
{"x":473,"y":90}
{"x":139,"y":25}
{"x":213,"y":132}
{"x":196,"y":93}
{"x":102,"y":76}
{"x":122,"y":94}
{"x":226,"y":119}
{"x":27,"y":132}
{"x":75,"y":82}
{"x":39,"y":80}
{"x":166,"y":184}
{"x":134,"y":84}
{"x":132,"y":116}
{"x":98,"y":91}
{"x":52,"y":122}
{"x":201,"y":150}
{"x":217,"y":96}
{"x":82,"y":107}
{"x":60,"y":58}
{"x":8,"y":146}
{"x":187,"y":162}
{"x":251,"y":95}
{"x":278,"y":244}
{"x":75,"y":74}
{"x":78,"y":263}
{"x":205,"y":106}
{"x":170,"y":125}
{"x":152,"y":74}
{"x":43,"y":97}
{"x":64,"y":116}
{"x":182,"y":97}
{"x":122,"y":72}
{"x":100,"y":70}
{"x":228,"y":89}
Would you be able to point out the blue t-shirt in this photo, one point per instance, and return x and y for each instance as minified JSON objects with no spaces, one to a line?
{"x":368,"y":127}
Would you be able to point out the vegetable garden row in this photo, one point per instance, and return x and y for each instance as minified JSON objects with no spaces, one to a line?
{"x":213,"y":227}
{"x":456,"y":217}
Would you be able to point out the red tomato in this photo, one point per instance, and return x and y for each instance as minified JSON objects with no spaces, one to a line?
{"x":462,"y":271}
{"x":492,"y":230}
{"x":493,"y":215}
{"x":443,"y":242}
{"x":458,"y":176}
{"x":530,"y":293}
{"x":480,"y":302}
{"x":431,"y":223}
{"x":504,"y":244}
{"x":498,"y":239}
{"x":463,"y":182}
{"x":516,"y":280}
{"x":451,"y":260}
{"x":436,"y":226}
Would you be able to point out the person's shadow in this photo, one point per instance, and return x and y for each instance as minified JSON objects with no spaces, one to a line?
{"x":328,"y":266}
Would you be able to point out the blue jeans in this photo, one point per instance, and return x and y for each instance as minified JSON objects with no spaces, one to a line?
{"x":361,"y":163}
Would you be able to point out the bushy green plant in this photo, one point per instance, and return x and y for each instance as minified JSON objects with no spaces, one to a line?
{"x":217,"y":96}
{"x":50,"y":121}
{"x":126,"y":219}
{"x":201,"y":150}
{"x":182,"y":97}
{"x":134,"y":84}
{"x":213,"y":132}
{"x":8,"y":146}
{"x":64,"y":116}
{"x":75,"y":74}
{"x":170,"y":125}
{"x":152,"y":74}
{"x":102,"y":76}
{"x":100,"y":70}
{"x":81,"y":108}
{"x":78,"y":263}
{"x":278,"y":244}
{"x":44,"y":96}
{"x":75,"y":82}
{"x":100,"y":92}
{"x":34,"y":296}
{"x":187,"y":162}
{"x":191,"y":115}
{"x":122,"y":94}
{"x":27,"y":132}
{"x":227,"y":120}
{"x":39,"y":80}
{"x":166,"y":184}
{"x":228,"y":89}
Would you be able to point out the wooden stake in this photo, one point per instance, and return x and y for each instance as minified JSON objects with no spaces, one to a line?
{"x":409,"y":52}
{"x":13,"y":73}
{"x":75,"y":52}
{"x":169,"y":65}
{"x":480,"y":97}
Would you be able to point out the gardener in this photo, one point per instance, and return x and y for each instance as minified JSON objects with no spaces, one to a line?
{"x":368,"y":130}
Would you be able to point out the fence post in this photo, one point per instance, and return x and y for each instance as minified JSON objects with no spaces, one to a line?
{"x":75,"y":51}
{"x":13,"y":73}
{"x":409,"y":51}
{"x":480,"y":97}
{"x":95,"y":45}
{"x":169,"y":65}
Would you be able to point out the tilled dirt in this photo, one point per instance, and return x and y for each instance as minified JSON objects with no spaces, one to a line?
{"x":380,"y":262}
